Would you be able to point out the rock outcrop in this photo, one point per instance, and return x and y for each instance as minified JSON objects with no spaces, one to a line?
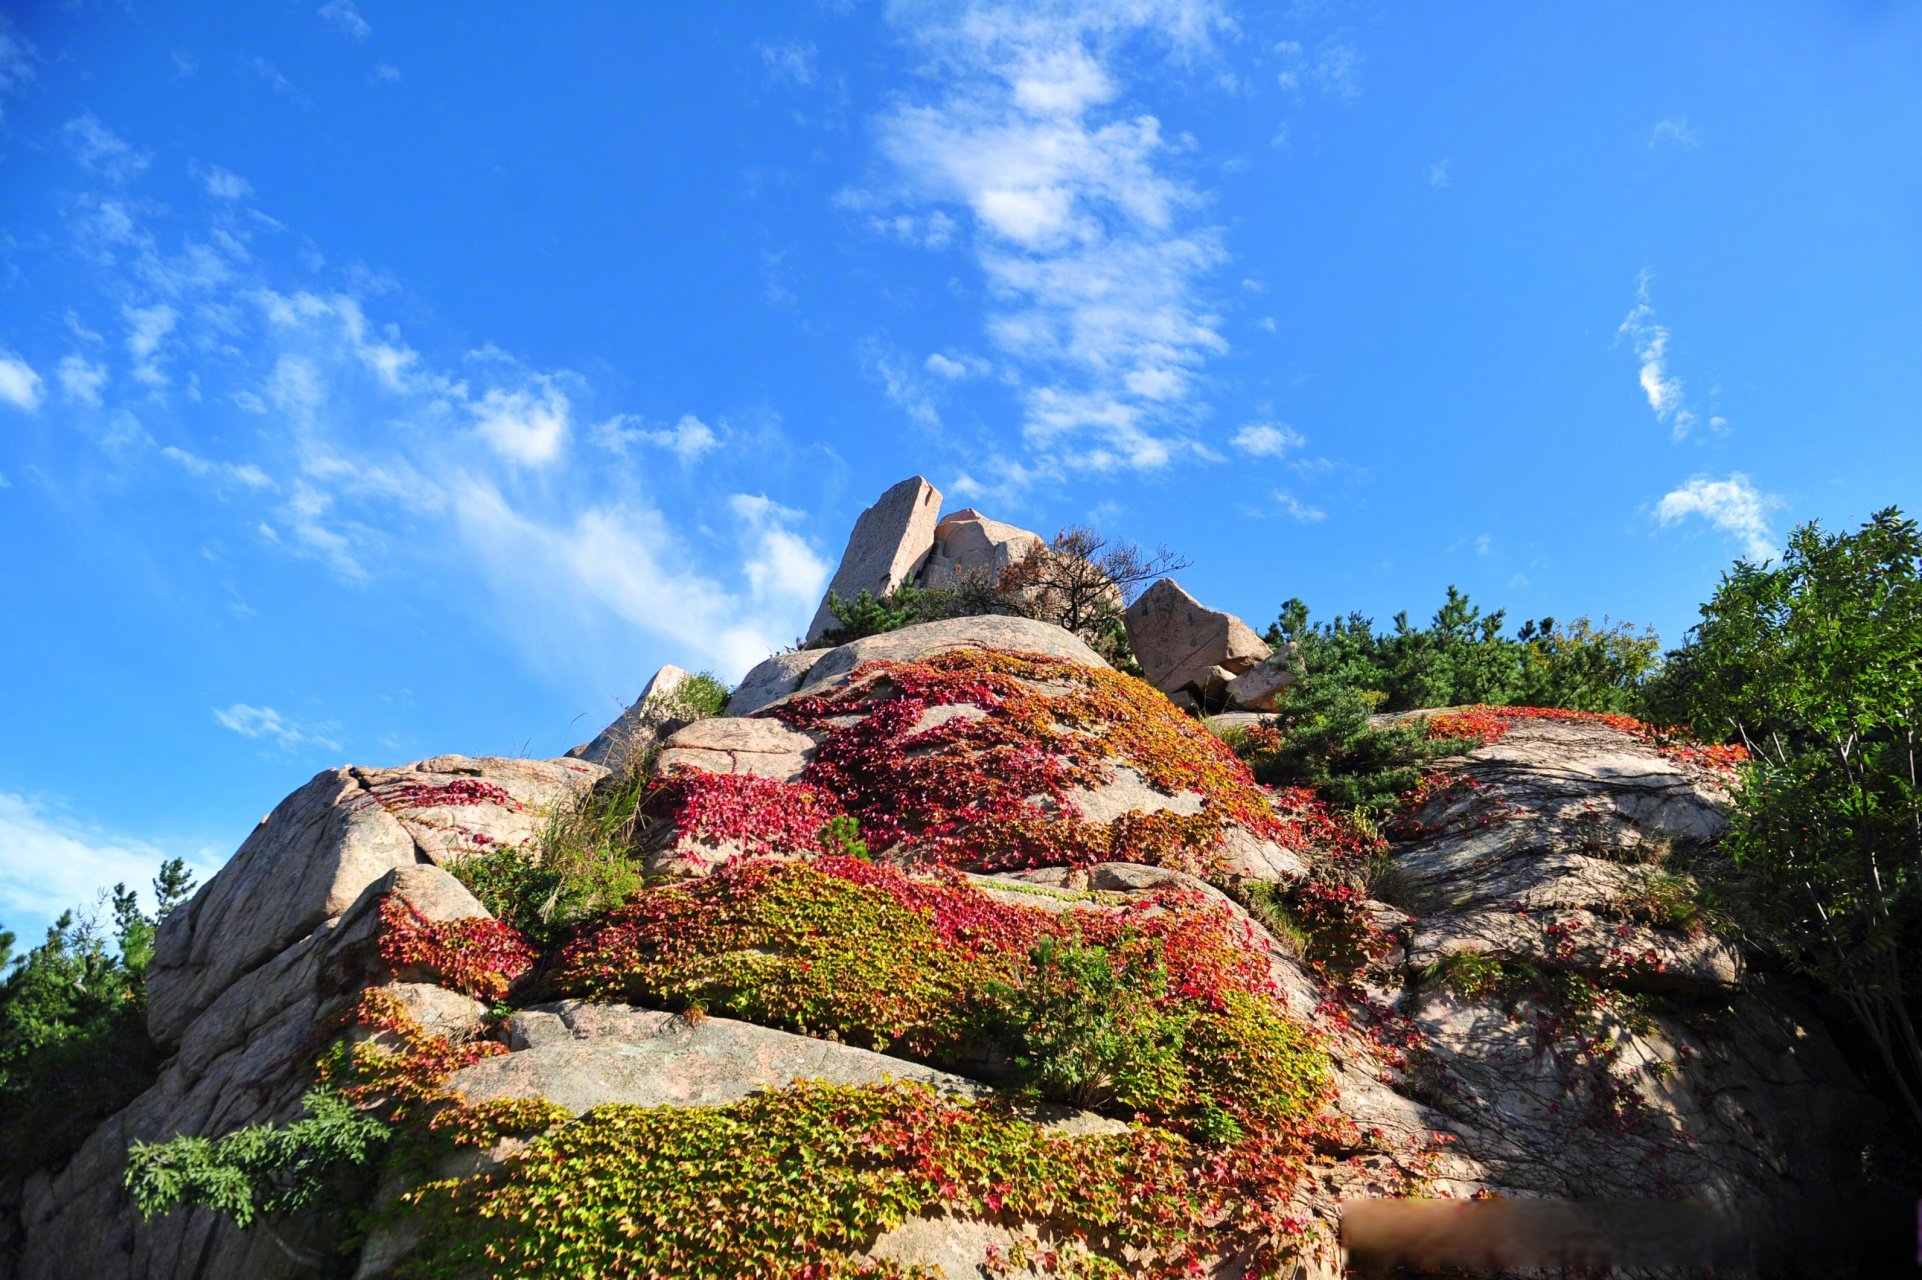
{"x":890,"y":541}
{"x":968,"y":544}
{"x":637,"y":729}
{"x":1187,"y":650}
{"x":1545,"y":1010}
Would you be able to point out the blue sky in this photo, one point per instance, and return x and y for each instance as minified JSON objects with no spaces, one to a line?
{"x":379,"y":381}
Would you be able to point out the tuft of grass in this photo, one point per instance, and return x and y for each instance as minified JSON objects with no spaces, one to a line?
{"x":583,"y":862}
{"x":1268,"y":904}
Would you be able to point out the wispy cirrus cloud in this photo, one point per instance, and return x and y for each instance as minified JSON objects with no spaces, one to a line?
{"x":1662,"y":387}
{"x":1733,"y":505}
{"x":342,"y":446}
{"x":265,"y":723}
{"x":102,"y":151}
{"x":344,"y":18}
{"x":1093,"y":245}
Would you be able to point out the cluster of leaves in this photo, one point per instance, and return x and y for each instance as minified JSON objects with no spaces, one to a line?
{"x":261,"y":1171}
{"x":1081,"y":581}
{"x":73,"y":1022}
{"x":474,"y":955}
{"x":995,"y":789}
{"x":1463,"y":657}
{"x":1815,"y":664}
{"x":1158,"y":1008}
{"x":795,"y":1183}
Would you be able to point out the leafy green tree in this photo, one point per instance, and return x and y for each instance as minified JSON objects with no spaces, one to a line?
{"x":73,"y":1022}
{"x":1815,"y":663}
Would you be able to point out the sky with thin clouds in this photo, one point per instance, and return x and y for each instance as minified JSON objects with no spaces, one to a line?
{"x":384,"y":380}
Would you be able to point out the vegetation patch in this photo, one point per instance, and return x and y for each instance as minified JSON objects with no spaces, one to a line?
{"x":1158,"y":1008}
{"x":993,"y":790}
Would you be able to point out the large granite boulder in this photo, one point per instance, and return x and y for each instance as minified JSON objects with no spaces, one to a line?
{"x":968,"y":545}
{"x":1186,"y":648}
{"x":735,"y":744}
{"x":923,"y":640}
{"x":773,"y":679}
{"x":1586,"y":1031}
{"x":323,"y":845}
{"x":890,"y":541}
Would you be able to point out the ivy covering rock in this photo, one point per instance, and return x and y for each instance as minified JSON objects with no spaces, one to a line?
{"x":1000,"y":964}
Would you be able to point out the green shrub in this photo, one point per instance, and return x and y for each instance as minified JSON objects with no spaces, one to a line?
{"x":274,"y":1171}
{"x":582,"y":863}
{"x":1086,"y":1032}
{"x":1461,"y":657}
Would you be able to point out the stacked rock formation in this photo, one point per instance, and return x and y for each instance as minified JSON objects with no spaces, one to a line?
{"x":1200,"y":657}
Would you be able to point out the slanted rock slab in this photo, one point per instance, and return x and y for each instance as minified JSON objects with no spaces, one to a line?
{"x":1178,"y":641}
{"x":638,"y":728}
{"x":734,"y":744}
{"x":889,"y":543}
{"x":772,"y":680}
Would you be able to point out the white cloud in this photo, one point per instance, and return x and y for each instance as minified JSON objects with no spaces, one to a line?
{"x":1268,"y":439}
{"x":1094,"y":263}
{"x":792,"y":61}
{"x":265,"y":722}
{"x":1438,"y":174}
{"x":1331,"y":68}
{"x":100,"y":150}
{"x":687,"y":439}
{"x":185,"y":64}
{"x":1299,"y":510}
{"x":1664,"y":389}
{"x":269,"y":74}
{"x":342,"y":15}
{"x":1735,"y":506}
{"x":245,"y":474}
{"x":386,"y":73}
{"x":16,"y":60}
{"x":1674,"y":131}
{"x":524,"y":426}
{"x":19,"y":384}
{"x":228,"y":186}
{"x":1483,"y":543}
{"x":147,"y":328}
{"x":49,"y":863}
{"x":939,"y":364}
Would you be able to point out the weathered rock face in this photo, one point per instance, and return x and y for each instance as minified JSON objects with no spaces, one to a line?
{"x":1116,"y":798}
{"x":638,"y":728}
{"x":315,"y":853}
{"x":1260,"y":687}
{"x":732,"y":744}
{"x":968,"y":544}
{"x":1568,"y":1030}
{"x":1562,"y":856}
{"x":1183,"y":646}
{"x":773,"y":679}
{"x":889,"y":543}
{"x":921,"y":642}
